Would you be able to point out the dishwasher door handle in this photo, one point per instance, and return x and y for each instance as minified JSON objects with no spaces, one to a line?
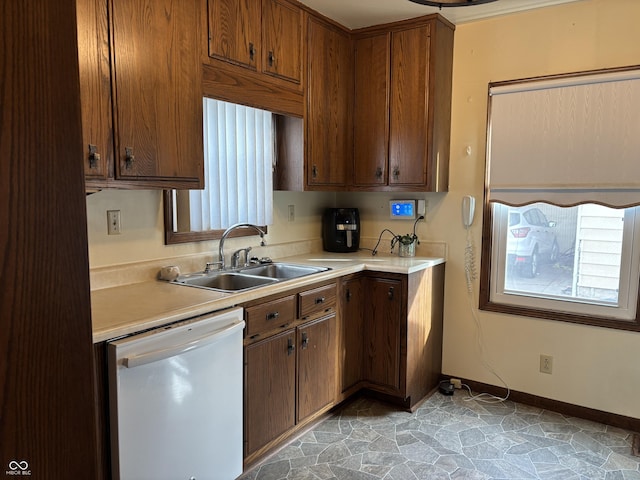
{"x":132,"y":361}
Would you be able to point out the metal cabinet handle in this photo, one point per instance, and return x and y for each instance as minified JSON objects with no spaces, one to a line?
{"x":290,"y":346}
{"x":94,"y":156}
{"x":271,"y":59}
{"x":129,"y":157}
{"x":378,"y":173}
{"x":320,"y":300}
{"x":396,"y":173}
{"x":348,"y":295}
{"x":390,"y":293}
{"x":314,"y":171}
{"x":252,"y":51}
{"x":305,"y":340}
{"x":273,"y":315}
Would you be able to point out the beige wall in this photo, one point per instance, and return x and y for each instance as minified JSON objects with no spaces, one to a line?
{"x":142,"y":236}
{"x":593,"y":367}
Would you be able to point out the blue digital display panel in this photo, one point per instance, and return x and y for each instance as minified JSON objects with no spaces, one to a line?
{"x":403,"y":209}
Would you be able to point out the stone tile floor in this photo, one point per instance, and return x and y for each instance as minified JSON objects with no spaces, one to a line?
{"x":452,"y":438}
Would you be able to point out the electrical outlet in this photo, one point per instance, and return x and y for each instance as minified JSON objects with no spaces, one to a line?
{"x":546,"y":364}
{"x":456,"y":382}
{"x":113,"y":222}
{"x":292,"y":213}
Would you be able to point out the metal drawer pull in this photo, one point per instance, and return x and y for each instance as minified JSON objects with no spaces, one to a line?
{"x":290,"y":346}
{"x":272,"y":315}
{"x":320,"y":300}
{"x":390,"y":294}
{"x":305,"y":341}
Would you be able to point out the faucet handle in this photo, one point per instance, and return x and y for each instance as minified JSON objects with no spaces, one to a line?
{"x":208,"y":268}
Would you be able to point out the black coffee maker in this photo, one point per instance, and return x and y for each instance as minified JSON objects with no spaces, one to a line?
{"x":341,"y":230}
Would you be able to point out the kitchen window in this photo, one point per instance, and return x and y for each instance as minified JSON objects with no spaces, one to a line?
{"x":239,"y":149}
{"x":562,"y":196}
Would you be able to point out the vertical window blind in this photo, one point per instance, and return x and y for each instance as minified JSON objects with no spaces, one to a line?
{"x":239,"y":152}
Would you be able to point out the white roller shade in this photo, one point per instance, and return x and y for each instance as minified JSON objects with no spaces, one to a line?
{"x":566,"y":141}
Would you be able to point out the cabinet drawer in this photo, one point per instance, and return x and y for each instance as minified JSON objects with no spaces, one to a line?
{"x":318,"y":300}
{"x":267,"y":316}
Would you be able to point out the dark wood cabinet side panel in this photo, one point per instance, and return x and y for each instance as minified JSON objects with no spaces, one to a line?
{"x":424,"y":331}
{"x":47,"y":405}
{"x":270,"y":390}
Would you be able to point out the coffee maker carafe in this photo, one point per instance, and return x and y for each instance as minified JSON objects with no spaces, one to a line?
{"x":341,"y":230}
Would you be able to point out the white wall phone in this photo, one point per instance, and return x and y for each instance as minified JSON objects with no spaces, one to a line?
{"x":468,"y":209}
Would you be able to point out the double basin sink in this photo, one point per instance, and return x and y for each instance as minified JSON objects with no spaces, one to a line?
{"x":248,"y":277}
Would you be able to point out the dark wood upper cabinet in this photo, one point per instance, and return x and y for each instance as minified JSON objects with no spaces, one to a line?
{"x":402,"y":107}
{"x":282,"y":40}
{"x":371,"y":113}
{"x":329,"y":92}
{"x":141,"y":93}
{"x":262,"y":35}
{"x":234,"y":31}
{"x":95,"y":88}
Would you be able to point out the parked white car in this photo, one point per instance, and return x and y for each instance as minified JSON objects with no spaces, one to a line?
{"x":531,"y":239}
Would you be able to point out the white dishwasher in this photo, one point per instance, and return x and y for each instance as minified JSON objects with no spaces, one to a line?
{"x":176,"y":401}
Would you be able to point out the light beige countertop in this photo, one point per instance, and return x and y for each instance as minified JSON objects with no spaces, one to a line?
{"x":127,"y":309}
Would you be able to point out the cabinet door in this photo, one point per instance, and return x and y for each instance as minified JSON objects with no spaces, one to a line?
{"x":95,"y":89}
{"x":383,"y":311}
{"x":234,"y":30}
{"x":371,"y":110}
{"x":270,"y":393}
{"x":329,"y":85}
{"x":158,"y":90}
{"x":317,"y":361}
{"x":282,"y":40}
{"x":409,"y":136}
{"x":352,"y":332}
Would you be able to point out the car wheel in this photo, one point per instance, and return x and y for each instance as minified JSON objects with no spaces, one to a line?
{"x":530,"y":268}
{"x":553,"y":256}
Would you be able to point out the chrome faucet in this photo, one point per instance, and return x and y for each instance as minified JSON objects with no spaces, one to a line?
{"x":226,"y":234}
{"x":235,"y":258}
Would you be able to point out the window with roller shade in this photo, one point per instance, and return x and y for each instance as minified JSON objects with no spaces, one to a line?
{"x":562,"y":196}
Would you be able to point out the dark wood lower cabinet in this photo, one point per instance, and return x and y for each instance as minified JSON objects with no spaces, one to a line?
{"x":352,"y":320}
{"x":383,"y":311}
{"x":270,"y":389}
{"x":317,"y":359}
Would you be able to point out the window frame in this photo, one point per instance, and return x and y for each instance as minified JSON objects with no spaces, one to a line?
{"x":487,"y":304}
{"x":173,"y":238}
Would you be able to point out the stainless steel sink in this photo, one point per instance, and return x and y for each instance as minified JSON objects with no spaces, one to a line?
{"x":282,"y":271}
{"x":249,"y":277}
{"x":224,"y":281}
